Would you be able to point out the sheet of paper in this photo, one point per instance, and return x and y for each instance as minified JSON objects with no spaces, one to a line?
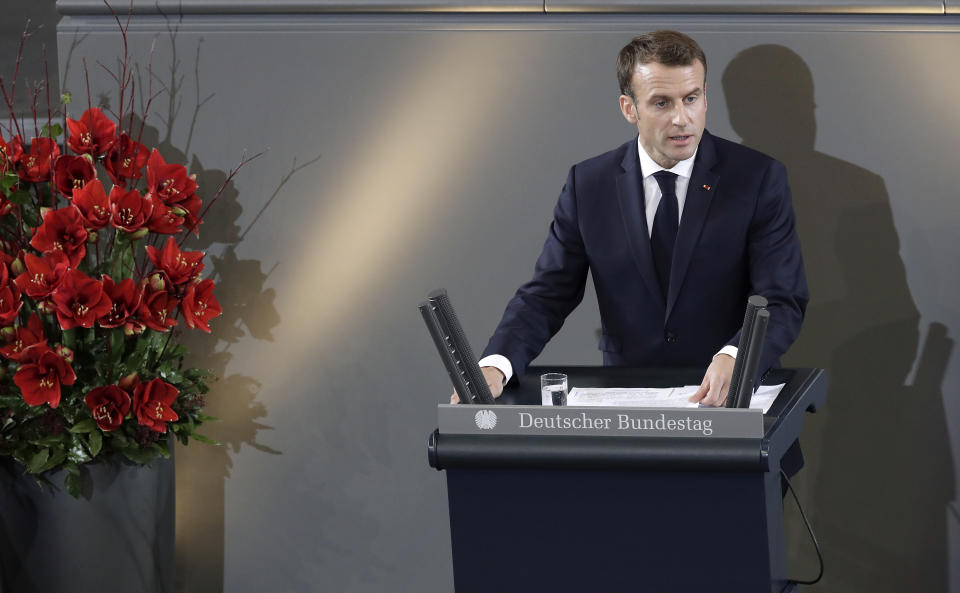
{"x":763,"y":397}
{"x":648,"y":397}
{"x":671,"y":397}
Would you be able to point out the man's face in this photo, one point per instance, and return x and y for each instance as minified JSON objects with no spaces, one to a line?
{"x":669,"y":108}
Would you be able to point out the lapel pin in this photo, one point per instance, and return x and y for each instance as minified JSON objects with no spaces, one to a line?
{"x":706,"y":187}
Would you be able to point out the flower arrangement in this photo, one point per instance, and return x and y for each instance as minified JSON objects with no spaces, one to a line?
{"x":94,"y":288}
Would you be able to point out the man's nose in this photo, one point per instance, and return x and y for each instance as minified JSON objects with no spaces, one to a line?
{"x":680,"y":115}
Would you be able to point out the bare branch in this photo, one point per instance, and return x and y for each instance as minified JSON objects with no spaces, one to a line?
{"x":150,"y":95}
{"x":233,"y":172}
{"x":294,"y":168}
{"x":46,"y":74}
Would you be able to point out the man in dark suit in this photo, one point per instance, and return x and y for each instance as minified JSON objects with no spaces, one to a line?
{"x":678,"y":227}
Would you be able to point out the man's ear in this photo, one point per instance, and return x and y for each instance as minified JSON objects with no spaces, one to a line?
{"x":628,"y":109}
{"x":705,"y":105}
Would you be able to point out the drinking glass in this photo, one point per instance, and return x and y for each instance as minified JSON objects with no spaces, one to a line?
{"x":553,"y":389}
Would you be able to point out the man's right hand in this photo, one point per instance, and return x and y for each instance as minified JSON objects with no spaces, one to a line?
{"x":494,"y":380}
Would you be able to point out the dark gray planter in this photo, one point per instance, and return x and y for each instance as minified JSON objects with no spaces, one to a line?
{"x":117,"y":537}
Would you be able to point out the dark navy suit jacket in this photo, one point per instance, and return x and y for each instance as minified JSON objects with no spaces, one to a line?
{"x":736,"y":238}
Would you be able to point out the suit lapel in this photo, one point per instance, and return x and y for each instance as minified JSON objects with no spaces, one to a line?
{"x":630,"y":197}
{"x":700,"y":192}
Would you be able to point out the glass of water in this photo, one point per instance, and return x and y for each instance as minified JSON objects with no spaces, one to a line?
{"x":553,"y":389}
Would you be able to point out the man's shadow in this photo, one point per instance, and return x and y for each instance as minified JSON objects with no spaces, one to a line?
{"x":879,"y":471}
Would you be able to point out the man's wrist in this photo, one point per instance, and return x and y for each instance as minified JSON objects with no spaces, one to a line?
{"x":730,"y":351}
{"x":499,"y":362}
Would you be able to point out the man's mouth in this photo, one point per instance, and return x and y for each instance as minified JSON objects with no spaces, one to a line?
{"x":681,"y":138}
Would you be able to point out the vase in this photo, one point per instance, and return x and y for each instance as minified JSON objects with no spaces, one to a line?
{"x":118,"y":536}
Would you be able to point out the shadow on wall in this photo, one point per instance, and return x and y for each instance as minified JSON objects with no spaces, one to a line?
{"x":248,"y":313}
{"x":879,"y":472}
{"x":248,"y":306}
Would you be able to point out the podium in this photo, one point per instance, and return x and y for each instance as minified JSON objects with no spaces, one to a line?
{"x":562,"y":513}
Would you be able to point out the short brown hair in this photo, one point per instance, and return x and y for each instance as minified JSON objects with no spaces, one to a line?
{"x":669,"y":48}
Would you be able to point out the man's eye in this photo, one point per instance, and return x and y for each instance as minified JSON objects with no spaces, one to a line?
{"x":691,"y":99}
{"x":661,"y":104}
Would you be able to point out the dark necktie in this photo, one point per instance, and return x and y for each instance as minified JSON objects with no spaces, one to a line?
{"x":665,"y":224}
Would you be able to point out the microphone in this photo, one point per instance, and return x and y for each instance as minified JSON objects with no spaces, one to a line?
{"x":758,"y":333}
{"x":755,"y":304}
{"x":454,"y":348}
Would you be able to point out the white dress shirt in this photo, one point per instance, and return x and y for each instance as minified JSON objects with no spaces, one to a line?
{"x":651,"y":191}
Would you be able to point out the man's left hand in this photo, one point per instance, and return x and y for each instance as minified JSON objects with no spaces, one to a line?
{"x":716,"y":382}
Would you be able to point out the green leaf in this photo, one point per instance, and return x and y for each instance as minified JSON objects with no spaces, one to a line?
{"x":51,"y":131}
{"x":77,"y":453}
{"x":38,"y":460}
{"x":49,"y":440}
{"x":73,"y":481}
{"x":116,"y":345}
{"x":171,"y":377}
{"x":19,"y":197}
{"x":9,"y":179}
{"x":70,"y":338}
{"x":138,"y":455}
{"x":199,"y":437}
{"x":66,"y":97}
{"x":162,"y":449}
{"x":201,"y":417}
{"x":83,"y":426}
{"x":9,"y":401}
{"x":198,"y":374}
{"x":56,"y":458}
{"x":120,"y":439}
{"x":95,"y":443}
{"x":30,"y":217}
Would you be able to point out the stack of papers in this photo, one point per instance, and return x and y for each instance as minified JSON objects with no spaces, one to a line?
{"x":643,"y":397}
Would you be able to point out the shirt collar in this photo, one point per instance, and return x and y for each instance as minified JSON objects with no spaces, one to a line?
{"x":648,"y":166}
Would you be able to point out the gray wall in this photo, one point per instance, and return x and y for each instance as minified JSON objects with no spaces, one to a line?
{"x":38,"y":19}
{"x":383,"y":128}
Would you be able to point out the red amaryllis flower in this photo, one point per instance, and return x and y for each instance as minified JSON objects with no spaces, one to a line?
{"x":192,"y":207}
{"x":164,"y":220}
{"x":125,"y":299}
{"x":24,"y":337}
{"x":129,"y":210}
{"x":6,"y":206}
{"x":109,"y":405}
{"x":15,"y":149}
{"x":125,"y":160}
{"x":151,"y":404}
{"x":80,"y":300}
{"x":199,"y":305}
{"x":157,"y":308}
{"x":43,"y":274}
{"x":62,"y":230}
{"x":179,"y":266}
{"x":6,"y":257}
{"x":169,"y":182}
{"x":91,"y":200}
{"x":34,"y":165}
{"x":94,"y":133}
{"x":40,"y":375}
{"x":71,"y":173}
{"x":10,"y":302}
{"x":5,"y":157}
{"x":129,"y":382}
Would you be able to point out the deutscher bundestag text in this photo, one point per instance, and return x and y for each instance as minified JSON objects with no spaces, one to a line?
{"x":621,"y":422}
